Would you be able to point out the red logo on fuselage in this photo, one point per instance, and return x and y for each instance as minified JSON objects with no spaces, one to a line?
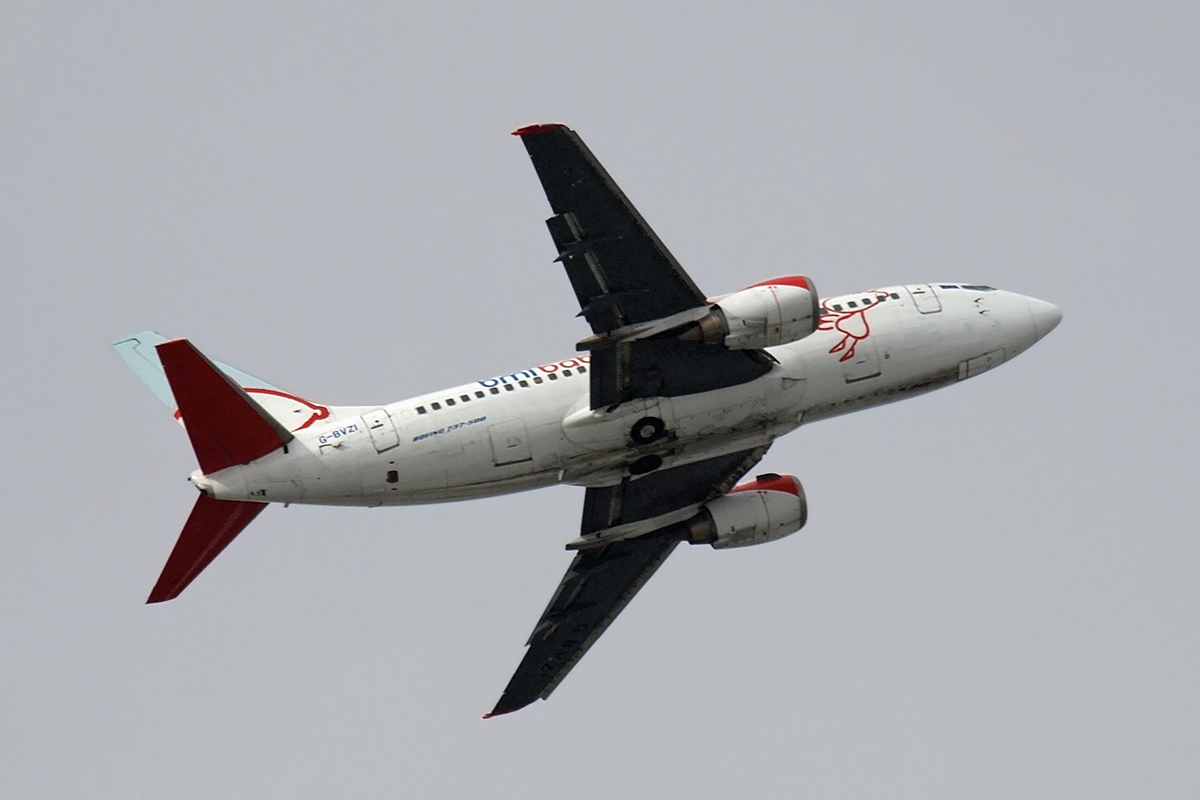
{"x":850,"y":322}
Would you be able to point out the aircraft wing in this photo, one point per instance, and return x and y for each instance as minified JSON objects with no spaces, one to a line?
{"x":628,"y":284}
{"x":603,"y":578}
{"x":620,"y":270}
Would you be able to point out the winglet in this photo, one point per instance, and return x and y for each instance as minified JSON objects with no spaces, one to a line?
{"x":211,"y":526}
{"x":498,"y":711}
{"x":225,"y":425}
{"x":541,"y":127}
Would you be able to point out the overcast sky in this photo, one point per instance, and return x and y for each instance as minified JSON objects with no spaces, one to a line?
{"x":996,"y":592}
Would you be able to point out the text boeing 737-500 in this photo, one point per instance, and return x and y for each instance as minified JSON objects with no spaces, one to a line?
{"x":674,"y":399}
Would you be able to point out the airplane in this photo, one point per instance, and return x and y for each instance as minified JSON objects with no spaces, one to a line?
{"x":671,"y":400}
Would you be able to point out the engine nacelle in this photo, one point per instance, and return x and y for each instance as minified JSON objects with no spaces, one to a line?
{"x":770,"y":313}
{"x":768,"y":508}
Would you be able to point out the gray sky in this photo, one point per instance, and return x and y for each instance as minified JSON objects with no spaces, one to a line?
{"x":995,"y":595}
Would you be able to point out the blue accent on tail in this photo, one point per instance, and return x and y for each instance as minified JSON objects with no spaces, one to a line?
{"x":139,"y":353}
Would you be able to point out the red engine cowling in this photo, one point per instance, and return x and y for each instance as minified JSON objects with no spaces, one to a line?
{"x":766,"y":314}
{"x":770,"y":313}
{"x":766,"y":509}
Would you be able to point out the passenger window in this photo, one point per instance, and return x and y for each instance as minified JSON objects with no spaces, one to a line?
{"x":537,"y":380}
{"x":420,"y":409}
{"x":436,"y":406}
{"x":566,"y":373}
{"x":582,"y":370}
{"x":852,"y":304}
{"x":895,"y":296}
{"x":524,"y":384}
{"x":837,"y":308}
{"x":494,"y":390}
{"x":508,"y":387}
{"x":449,"y":401}
{"x":553,"y":376}
{"x":479,"y":395}
{"x":466,"y":398}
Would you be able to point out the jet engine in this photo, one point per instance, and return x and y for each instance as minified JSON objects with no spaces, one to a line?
{"x":770,"y":313}
{"x":768,"y":508}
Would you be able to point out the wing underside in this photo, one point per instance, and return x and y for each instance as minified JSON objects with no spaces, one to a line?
{"x":598,"y":585}
{"x":602,"y":579}
{"x":632,"y":291}
{"x":644,"y":311}
{"x":621,"y":271}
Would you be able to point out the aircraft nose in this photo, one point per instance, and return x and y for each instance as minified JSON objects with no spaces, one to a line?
{"x":1046,"y":316}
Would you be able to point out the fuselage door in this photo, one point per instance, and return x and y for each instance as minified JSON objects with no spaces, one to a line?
{"x":510,"y":443}
{"x":383,"y":431}
{"x":925,"y":298}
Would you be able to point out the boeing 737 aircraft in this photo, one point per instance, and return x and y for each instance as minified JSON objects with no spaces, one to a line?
{"x":672,"y":399}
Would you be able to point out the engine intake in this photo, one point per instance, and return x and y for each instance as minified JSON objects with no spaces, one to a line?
{"x":768,"y":508}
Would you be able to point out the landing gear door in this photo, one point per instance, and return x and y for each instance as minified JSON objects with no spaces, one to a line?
{"x":925,"y":298}
{"x":383,"y":431}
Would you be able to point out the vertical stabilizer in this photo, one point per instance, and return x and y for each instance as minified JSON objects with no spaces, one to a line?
{"x":226,"y":426}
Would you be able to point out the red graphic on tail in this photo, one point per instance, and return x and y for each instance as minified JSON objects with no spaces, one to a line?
{"x":287,"y":408}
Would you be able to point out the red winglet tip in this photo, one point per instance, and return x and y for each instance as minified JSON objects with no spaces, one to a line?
{"x":540,"y":127}
{"x":498,"y":712}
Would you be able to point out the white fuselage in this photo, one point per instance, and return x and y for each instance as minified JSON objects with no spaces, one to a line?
{"x":536,"y":428}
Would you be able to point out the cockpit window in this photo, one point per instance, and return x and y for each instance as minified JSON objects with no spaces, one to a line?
{"x":979,"y":288}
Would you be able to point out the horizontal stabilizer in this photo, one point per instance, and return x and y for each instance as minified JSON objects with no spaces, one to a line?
{"x":226,"y":426}
{"x":213,"y":524}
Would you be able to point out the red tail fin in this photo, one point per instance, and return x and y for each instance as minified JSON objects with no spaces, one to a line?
{"x":211,"y":526}
{"x":225,"y":425}
{"x":227,"y":428}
